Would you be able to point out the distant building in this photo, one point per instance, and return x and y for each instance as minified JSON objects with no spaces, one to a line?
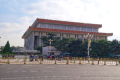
{"x":2,"y":47}
{"x":50,"y":50}
{"x":23,"y":50}
{"x":63,"y":29}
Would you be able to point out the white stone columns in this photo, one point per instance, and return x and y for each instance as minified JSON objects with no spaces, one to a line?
{"x":61,"y":36}
{"x":68,"y":35}
{"x":76,"y":36}
{"x":95,"y":38}
{"x":82,"y":37}
{"x":40,"y":38}
{"x":33,"y":38}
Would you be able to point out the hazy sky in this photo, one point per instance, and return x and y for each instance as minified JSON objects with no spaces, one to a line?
{"x":17,"y":15}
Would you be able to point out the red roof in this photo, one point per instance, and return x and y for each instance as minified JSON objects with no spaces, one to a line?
{"x":70,"y":31}
{"x":69,"y":23}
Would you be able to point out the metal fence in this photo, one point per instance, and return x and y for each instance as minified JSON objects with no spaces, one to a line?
{"x":65,"y":60}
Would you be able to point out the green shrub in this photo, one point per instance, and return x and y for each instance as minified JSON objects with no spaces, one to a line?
{"x":22,"y":54}
{"x":6,"y":53}
{"x":29,"y":53}
{"x":14,"y":53}
{"x":36,"y":54}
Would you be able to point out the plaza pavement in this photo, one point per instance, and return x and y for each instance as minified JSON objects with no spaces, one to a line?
{"x":59,"y":72}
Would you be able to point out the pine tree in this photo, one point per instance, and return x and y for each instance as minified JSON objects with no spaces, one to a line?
{"x":7,"y":48}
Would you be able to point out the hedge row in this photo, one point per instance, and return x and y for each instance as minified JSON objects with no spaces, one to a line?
{"x":7,"y":53}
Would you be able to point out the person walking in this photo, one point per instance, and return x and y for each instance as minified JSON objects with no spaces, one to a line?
{"x":98,"y":60}
{"x":42,"y":57}
{"x":9,"y":56}
{"x":30,"y":57}
{"x":36,"y":58}
{"x":33,"y":57}
{"x":88,"y":57}
{"x":119,"y":60}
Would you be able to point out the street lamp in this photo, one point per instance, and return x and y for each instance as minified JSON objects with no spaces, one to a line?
{"x":0,"y":37}
{"x":50,"y":45}
{"x":88,"y":36}
{"x":1,"y":48}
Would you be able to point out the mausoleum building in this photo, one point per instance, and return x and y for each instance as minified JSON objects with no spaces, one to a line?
{"x":63,"y":29}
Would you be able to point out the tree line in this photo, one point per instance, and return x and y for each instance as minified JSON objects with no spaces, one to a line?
{"x":73,"y":46}
{"x":76,"y":46}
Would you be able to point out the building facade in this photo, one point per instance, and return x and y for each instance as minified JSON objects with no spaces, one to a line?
{"x":50,"y":50}
{"x":63,"y":29}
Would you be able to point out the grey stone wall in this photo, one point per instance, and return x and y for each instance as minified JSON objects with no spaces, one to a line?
{"x":29,"y":42}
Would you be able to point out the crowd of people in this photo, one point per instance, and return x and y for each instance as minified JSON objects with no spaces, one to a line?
{"x":6,"y":56}
{"x":60,"y":57}
{"x":35,"y":57}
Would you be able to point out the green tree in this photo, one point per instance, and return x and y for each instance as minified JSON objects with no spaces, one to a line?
{"x":98,"y":48}
{"x":94,"y":50}
{"x":84,"y":47}
{"x":45,"y":40}
{"x":1,"y":50}
{"x":39,"y":48}
{"x":12,"y":48}
{"x":51,"y":36}
{"x":62,"y":45}
{"x":69,"y":45}
{"x":75,"y":46}
{"x":104,"y":47}
{"x":115,"y":45}
{"x":7,"y":48}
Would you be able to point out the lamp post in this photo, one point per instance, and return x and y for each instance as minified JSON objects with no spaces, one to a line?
{"x":88,"y":36}
{"x":50,"y":44}
{"x":0,"y":47}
